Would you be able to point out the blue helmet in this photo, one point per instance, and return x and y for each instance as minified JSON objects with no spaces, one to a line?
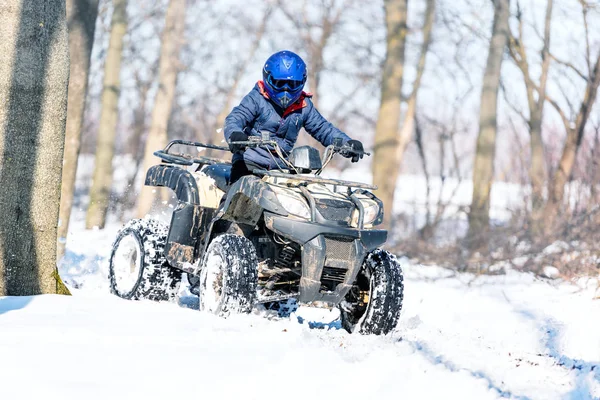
{"x":284,"y":75}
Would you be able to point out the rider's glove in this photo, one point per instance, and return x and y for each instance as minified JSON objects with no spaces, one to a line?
{"x":356,"y":150}
{"x":237,"y":136}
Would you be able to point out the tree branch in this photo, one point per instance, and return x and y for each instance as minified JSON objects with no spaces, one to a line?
{"x":427,"y":29}
{"x":545,"y":53}
{"x":569,"y":65}
{"x":560,"y":112}
{"x":511,"y":105}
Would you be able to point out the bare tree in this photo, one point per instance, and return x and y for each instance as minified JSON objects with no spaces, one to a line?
{"x":332,"y":11}
{"x":595,"y":172}
{"x":168,"y":70}
{"x":105,"y":148}
{"x":315,"y":35}
{"x":408,"y":125}
{"x":34,"y":77}
{"x":575,"y":126}
{"x":135,"y":143}
{"x":483,"y":167}
{"x":385,"y":166}
{"x":81,"y":16}
{"x":239,"y":74}
{"x":537,"y":167}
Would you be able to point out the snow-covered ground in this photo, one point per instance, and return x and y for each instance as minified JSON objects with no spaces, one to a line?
{"x":460,"y":337}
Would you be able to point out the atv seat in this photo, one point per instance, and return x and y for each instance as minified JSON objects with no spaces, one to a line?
{"x":220,"y":173}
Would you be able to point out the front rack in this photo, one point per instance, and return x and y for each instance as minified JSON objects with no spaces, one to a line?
{"x":314,"y":179}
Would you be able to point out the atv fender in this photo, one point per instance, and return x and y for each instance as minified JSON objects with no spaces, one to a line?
{"x":248,"y":198}
{"x":182,"y":182}
{"x":181,"y":249}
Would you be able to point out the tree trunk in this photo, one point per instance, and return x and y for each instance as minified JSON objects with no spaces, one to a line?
{"x":537,"y":168}
{"x":408,"y":126}
{"x":385,"y":167}
{"x":81,"y":17}
{"x":105,"y":147}
{"x":483,"y":167}
{"x":573,"y":142}
{"x":34,"y":77}
{"x":163,"y":104}
{"x":140,"y":124}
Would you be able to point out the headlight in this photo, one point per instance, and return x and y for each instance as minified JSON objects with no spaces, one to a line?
{"x":373,"y":212}
{"x":294,"y":205}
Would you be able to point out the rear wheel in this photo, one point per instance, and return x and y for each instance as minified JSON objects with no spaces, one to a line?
{"x":137,"y":268}
{"x":229,"y":276}
{"x":373,"y":305}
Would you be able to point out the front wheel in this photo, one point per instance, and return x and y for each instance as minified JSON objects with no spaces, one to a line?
{"x":373,"y":305}
{"x":137,"y":268}
{"x":229,"y":276}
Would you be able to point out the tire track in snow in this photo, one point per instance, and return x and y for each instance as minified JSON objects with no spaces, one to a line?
{"x":437,"y":359}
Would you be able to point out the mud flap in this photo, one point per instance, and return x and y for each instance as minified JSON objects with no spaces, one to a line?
{"x":186,"y":230}
{"x":180,"y":250}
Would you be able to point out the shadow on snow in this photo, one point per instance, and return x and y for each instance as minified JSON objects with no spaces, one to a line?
{"x":582,"y":368}
{"x":193,"y":302}
{"x":13,"y":303}
{"x":433,"y":358}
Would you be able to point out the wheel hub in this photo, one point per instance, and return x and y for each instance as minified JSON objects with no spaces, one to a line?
{"x":127,"y":263}
{"x":213,"y":283}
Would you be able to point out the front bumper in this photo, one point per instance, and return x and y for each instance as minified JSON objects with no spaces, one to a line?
{"x":327,"y":251}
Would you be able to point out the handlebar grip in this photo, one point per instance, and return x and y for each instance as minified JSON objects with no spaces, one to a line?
{"x":348,"y":150}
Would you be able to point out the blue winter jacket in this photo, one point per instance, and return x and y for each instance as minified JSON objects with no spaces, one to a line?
{"x":257,"y":113}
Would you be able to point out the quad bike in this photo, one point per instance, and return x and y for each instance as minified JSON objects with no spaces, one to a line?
{"x":270,"y":237}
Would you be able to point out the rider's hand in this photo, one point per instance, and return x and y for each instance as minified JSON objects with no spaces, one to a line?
{"x":356,"y":150}
{"x":237,"y":136}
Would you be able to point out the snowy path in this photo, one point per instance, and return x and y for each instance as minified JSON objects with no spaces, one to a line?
{"x":459,"y":337}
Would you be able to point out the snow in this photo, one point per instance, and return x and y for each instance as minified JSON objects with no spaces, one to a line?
{"x":460,"y":336}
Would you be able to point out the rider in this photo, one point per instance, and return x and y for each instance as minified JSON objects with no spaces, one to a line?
{"x":278,"y":105}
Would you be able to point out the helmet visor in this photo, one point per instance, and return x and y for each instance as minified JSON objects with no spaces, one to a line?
{"x":285,"y":84}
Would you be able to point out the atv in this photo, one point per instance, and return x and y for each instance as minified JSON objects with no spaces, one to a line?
{"x":271,"y":237}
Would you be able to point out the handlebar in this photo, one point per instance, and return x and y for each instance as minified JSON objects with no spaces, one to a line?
{"x":252,"y":142}
{"x":343,"y":149}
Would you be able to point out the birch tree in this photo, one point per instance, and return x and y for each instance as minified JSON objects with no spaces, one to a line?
{"x":385,"y":166}
{"x":483,"y":167}
{"x":81,"y":16}
{"x":574,"y":125}
{"x":408,"y":124}
{"x":172,"y":40}
{"x":537,"y":167}
{"x":34,"y":76}
{"x":105,"y":148}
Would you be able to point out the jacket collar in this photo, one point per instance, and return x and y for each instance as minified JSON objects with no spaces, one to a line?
{"x":297,"y":105}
